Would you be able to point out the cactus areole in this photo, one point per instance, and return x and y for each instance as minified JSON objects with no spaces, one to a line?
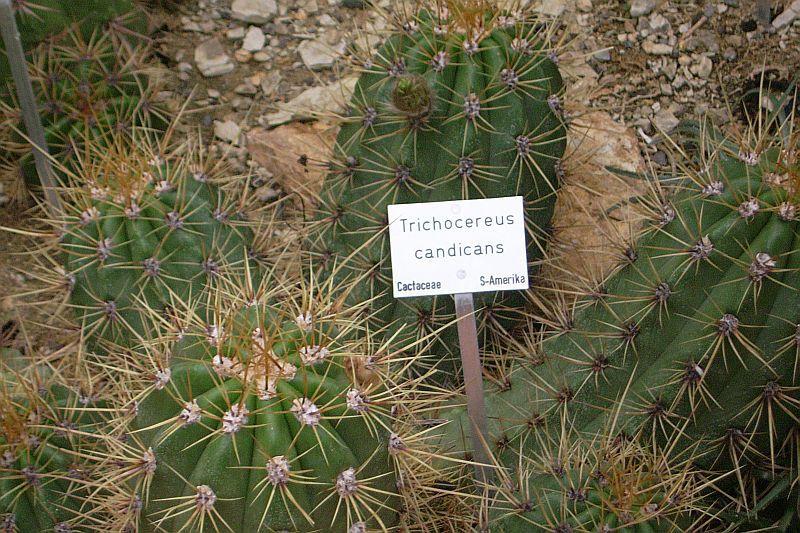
{"x":447,"y":109}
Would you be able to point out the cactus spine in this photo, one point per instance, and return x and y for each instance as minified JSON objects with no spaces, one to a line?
{"x":89,"y":88}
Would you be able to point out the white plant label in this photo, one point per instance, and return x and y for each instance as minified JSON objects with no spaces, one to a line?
{"x":458,"y":247}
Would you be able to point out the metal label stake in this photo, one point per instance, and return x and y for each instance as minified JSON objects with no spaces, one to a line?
{"x":27,"y":101}
{"x":473,"y":383}
{"x":458,"y":248}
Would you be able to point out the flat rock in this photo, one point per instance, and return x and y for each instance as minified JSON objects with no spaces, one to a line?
{"x":254,"y":11}
{"x":640,"y":8}
{"x":585,"y":230}
{"x":228,"y":131}
{"x":788,"y":15}
{"x":318,"y":55}
{"x":279,"y":151}
{"x":321,"y":101}
{"x":254,"y":39}
{"x":665,"y":120}
{"x":211,"y":59}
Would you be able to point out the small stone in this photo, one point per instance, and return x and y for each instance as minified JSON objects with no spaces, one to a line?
{"x":584,"y":5}
{"x":317,"y":55}
{"x":640,"y":8}
{"x":234,"y":34}
{"x":261,"y":57}
{"x":788,"y":15}
{"x":254,"y":11}
{"x":212,"y":60}
{"x":183,"y":66}
{"x":665,"y":121}
{"x":730,"y":54}
{"x":270,"y":83}
{"x":246,"y":89}
{"x":242,"y":55}
{"x":254,"y":40}
{"x":659,"y":23}
{"x":227,"y":130}
{"x":213,"y":93}
{"x":660,"y":158}
{"x":272,"y":120}
{"x":553,"y":8}
{"x":703,"y":67}
{"x":327,"y":20}
{"x":602,"y":55}
{"x":657,"y":49}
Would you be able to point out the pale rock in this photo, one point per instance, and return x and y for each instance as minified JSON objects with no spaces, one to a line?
{"x":590,"y":194}
{"x":280,"y":150}
{"x":317,"y":55}
{"x":245,"y":89}
{"x":659,"y":23}
{"x":227,"y":130}
{"x":261,"y":57}
{"x":321,"y":101}
{"x":213,"y":93}
{"x":657,"y":49}
{"x":665,"y":121}
{"x":254,"y":11}
{"x":242,"y":55}
{"x":271,"y":82}
{"x":277,"y":118}
{"x":211,"y":59}
{"x":703,"y":67}
{"x":188,"y":24}
{"x":640,"y":8}
{"x":234,"y":34}
{"x":254,"y":40}
{"x":327,"y":20}
{"x":788,"y":15}
{"x":309,"y":6}
{"x":552,"y":8}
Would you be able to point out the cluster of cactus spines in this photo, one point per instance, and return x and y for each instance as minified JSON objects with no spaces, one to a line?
{"x":145,"y":226}
{"x":693,"y":341}
{"x":601,"y":484}
{"x":250,"y":416}
{"x":88,"y":87}
{"x":45,"y":484}
{"x":459,"y":103}
{"x":40,"y":20}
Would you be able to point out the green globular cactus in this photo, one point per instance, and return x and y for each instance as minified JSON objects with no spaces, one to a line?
{"x":693,"y":343}
{"x":88,"y":89}
{"x":251,"y":419}
{"x":455,"y":105}
{"x":147,"y":228}
{"x":45,"y":485}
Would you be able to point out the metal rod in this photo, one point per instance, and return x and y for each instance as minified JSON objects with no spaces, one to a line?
{"x":27,"y":101}
{"x":764,"y":12}
{"x":473,"y":383}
